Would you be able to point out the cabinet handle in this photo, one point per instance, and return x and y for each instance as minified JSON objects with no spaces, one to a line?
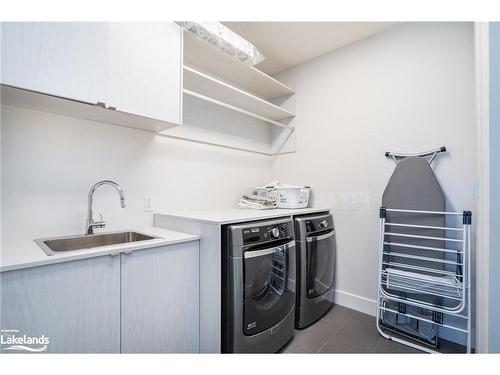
{"x":114,"y":254}
{"x":103,"y":105}
{"x":128,"y":252}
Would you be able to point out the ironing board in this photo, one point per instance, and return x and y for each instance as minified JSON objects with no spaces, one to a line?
{"x":421,"y":276}
{"x":413,"y":186}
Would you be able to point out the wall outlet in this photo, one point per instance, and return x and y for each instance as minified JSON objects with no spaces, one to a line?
{"x":148,"y":203}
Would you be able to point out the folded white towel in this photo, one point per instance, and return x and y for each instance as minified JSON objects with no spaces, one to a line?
{"x":257,"y":202}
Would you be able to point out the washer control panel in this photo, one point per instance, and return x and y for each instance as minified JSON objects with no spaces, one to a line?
{"x":266,"y":233}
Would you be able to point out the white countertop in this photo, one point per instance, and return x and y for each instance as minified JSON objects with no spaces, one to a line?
{"x":237,"y":215}
{"x":26,"y":253}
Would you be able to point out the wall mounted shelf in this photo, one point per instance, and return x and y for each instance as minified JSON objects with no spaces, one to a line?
{"x":205,"y":57}
{"x":19,"y":97}
{"x":219,"y":92}
{"x":233,"y":108}
{"x":209,"y":123}
{"x":229,"y":104}
{"x":191,"y":133}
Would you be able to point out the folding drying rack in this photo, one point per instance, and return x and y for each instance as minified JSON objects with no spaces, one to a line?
{"x":436,"y":287}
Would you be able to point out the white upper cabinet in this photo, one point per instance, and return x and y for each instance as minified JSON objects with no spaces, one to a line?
{"x":135,"y":68}
{"x":63,"y":59}
{"x":146,"y":69}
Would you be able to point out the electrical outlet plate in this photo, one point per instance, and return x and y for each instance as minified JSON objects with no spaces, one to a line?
{"x":148,"y":203}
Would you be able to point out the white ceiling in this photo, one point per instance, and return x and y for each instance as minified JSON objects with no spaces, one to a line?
{"x":285,"y":44}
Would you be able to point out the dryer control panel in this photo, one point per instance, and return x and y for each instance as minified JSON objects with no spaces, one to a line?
{"x":307,"y":225}
{"x":319,"y":224}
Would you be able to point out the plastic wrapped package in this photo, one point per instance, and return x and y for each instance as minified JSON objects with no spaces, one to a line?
{"x":225,"y":40}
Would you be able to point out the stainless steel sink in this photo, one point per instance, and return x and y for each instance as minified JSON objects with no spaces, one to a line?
{"x":56,"y":245}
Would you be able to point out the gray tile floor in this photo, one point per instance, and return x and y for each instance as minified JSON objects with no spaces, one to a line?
{"x":343,"y":330}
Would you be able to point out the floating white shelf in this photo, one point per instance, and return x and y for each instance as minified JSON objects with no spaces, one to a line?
{"x":227,"y":103}
{"x":202,"y":56}
{"x":208,"y":123}
{"x":216,"y":91}
{"x":193,"y":133}
{"x":19,"y":97}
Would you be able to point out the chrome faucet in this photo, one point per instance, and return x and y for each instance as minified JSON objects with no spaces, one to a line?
{"x":91,"y":224}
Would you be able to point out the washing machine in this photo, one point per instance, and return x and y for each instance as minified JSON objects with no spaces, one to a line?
{"x":316,"y":248}
{"x":258,"y":286}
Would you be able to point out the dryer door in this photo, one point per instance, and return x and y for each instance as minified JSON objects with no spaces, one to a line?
{"x":269,"y":286}
{"x":320,"y":264}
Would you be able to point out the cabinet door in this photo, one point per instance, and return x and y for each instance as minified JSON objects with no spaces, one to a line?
{"x":160,"y":300}
{"x":68,"y":59}
{"x":146,"y":69}
{"x":75,"y":304}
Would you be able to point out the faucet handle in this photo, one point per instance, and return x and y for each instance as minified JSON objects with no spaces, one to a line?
{"x":99,"y":224}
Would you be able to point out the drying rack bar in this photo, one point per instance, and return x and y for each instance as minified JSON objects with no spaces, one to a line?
{"x":430,"y":248}
{"x":434,"y":291}
{"x":410,"y":278}
{"x":452,"y":310}
{"x":407,"y":289}
{"x":423,"y":226}
{"x":424,"y":212}
{"x":423,"y":237}
{"x":424,"y":320}
{"x":421,"y":291}
{"x":427,"y":259}
{"x":419,"y":268}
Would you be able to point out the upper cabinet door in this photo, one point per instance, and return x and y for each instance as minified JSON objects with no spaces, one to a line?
{"x":134,"y":67}
{"x":63,"y":59}
{"x":146,"y":69}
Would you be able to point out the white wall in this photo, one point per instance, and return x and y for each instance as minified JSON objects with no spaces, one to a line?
{"x":494,"y":258}
{"x":49,"y":163}
{"x":408,"y":89}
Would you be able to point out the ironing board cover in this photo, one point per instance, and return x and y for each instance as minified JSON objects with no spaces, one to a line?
{"x":414,"y":186}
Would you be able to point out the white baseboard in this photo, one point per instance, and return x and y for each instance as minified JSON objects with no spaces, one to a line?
{"x":355,"y":302}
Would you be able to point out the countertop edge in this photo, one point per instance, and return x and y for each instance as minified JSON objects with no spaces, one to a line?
{"x":274,"y":214}
{"x":181,"y":237}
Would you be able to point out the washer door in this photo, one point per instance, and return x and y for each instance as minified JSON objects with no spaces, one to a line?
{"x":320,"y":264}
{"x":267,"y":292}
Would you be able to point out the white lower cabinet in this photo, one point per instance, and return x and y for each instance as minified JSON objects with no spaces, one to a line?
{"x":160,"y":300}
{"x":146,"y":301}
{"x":76,"y":305}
